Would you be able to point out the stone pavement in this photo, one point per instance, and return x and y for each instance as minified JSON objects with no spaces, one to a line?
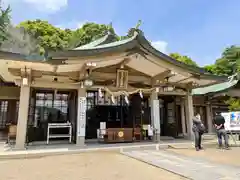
{"x":192,"y":168}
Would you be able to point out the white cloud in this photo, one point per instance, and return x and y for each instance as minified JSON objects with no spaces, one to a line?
{"x":160,"y":45}
{"x":71,"y":25}
{"x":49,"y":6}
{"x":52,"y":5}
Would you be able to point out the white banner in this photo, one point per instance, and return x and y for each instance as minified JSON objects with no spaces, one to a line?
{"x":81,"y":119}
{"x":232,"y":120}
{"x":156,"y":115}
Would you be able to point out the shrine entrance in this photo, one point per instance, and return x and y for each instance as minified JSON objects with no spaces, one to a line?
{"x":116,"y":115}
{"x":170,"y":116}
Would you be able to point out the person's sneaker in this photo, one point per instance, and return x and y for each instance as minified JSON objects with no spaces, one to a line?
{"x":227,"y":148}
{"x":197,"y":149}
{"x":201,"y":148}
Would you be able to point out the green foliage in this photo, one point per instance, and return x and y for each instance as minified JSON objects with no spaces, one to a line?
{"x":228,"y":64}
{"x":88,"y":33}
{"x":50,"y":38}
{"x":210,"y":68}
{"x":234,"y":104}
{"x":4,"y":23}
{"x":185,"y":59}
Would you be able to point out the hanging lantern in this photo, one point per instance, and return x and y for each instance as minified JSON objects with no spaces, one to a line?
{"x":88,"y":82}
{"x":81,"y":84}
{"x":25,"y":81}
{"x":140,"y":94}
{"x":126,"y":99}
{"x":100,"y":94}
{"x":113,"y":99}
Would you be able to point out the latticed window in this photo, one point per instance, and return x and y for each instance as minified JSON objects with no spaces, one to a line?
{"x":3,"y":114}
{"x":48,"y":107}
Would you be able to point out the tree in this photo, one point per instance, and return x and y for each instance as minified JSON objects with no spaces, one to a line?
{"x":210,"y":68}
{"x":19,"y":41}
{"x":90,"y":32}
{"x":234,"y":104}
{"x":49,"y":38}
{"x":228,"y":64}
{"x":4,"y":22}
{"x":185,"y":59}
{"x":232,"y":56}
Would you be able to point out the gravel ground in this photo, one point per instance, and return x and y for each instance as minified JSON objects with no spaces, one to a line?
{"x":85,"y":166}
{"x":230,"y":157}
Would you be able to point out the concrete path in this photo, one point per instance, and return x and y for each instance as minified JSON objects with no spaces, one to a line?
{"x":192,"y":168}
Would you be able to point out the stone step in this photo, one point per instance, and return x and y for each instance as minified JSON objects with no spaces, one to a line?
{"x":209,"y":136}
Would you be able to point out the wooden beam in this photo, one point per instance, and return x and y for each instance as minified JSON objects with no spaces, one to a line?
{"x":108,"y":76}
{"x":124,"y":62}
{"x":161,"y":76}
{"x":184,"y":79}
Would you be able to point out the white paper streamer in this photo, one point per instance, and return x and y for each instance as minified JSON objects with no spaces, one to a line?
{"x":140,"y":93}
{"x":113,"y":99}
{"x":126,"y":99}
{"x":100,"y":94}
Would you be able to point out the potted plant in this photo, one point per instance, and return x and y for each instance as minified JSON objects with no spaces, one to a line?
{"x":144,"y":134}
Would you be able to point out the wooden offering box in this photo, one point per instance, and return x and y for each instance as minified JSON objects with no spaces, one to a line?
{"x":115,"y":135}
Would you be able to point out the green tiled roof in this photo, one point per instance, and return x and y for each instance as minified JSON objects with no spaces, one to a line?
{"x":214,"y":88}
{"x":98,"y":44}
{"x":116,"y":43}
{"x":93,"y":43}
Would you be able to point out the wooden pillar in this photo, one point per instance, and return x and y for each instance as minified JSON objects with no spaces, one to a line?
{"x":155,"y":114}
{"x":81,"y":117}
{"x":183,"y":118}
{"x":189,"y":115}
{"x":209,"y":118}
{"x":22,"y":116}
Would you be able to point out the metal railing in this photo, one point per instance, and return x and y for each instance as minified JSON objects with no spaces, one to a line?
{"x":234,"y":138}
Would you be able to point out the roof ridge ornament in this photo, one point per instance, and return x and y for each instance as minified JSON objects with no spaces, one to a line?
{"x":109,"y":27}
{"x":134,"y":31}
{"x":139,"y":23}
{"x":232,"y":77}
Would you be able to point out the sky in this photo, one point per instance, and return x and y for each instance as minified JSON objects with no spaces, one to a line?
{"x":200,"y":29}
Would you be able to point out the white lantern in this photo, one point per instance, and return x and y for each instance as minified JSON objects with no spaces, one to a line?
{"x":157,"y":90}
{"x":25,"y":81}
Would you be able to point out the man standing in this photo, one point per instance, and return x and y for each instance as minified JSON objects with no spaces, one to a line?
{"x":219,"y":122}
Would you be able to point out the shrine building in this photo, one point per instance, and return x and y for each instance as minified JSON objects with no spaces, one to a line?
{"x":110,"y":91}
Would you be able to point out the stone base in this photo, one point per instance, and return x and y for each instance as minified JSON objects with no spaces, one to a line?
{"x":156,"y":138}
{"x":80,"y":141}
